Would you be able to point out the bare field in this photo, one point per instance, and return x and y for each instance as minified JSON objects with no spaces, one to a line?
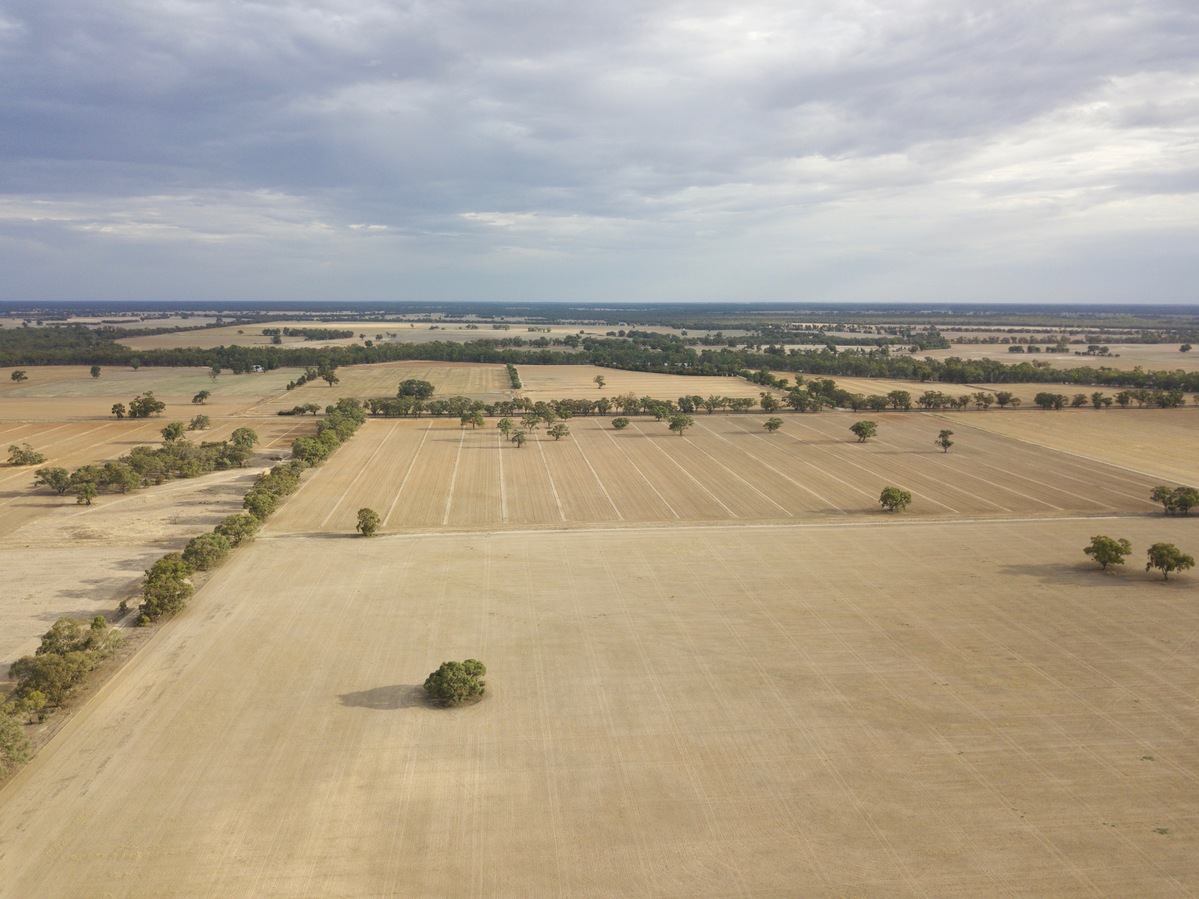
{"x":552,"y":382}
{"x":1023,"y":392}
{"x":1163,"y":443}
{"x":671,"y":712}
{"x":434,"y":474}
{"x":1125,"y":356}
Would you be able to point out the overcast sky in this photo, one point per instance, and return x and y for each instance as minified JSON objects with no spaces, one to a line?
{"x":619,"y":150}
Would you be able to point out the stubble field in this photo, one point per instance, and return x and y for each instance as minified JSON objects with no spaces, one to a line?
{"x":715,"y":668}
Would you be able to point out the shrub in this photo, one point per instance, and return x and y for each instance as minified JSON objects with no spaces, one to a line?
{"x":456,"y":682}
{"x":24,"y":455}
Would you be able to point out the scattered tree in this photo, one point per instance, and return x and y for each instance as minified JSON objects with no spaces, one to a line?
{"x":519,"y":438}
{"x":1108,"y":551}
{"x":680,"y":423}
{"x":943,"y":440}
{"x":143,"y":406}
{"x":14,"y":745}
{"x":57,"y":479}
{"x":456,"y":682}
{"x":199,"y":423}
{"x":135,"y":363}
{"x":95,"y":371}
{"x":214,"y":372}
{"x":505,"y":426}
{"x":19,"y":375}
{"x":772,"y":424}
{"x":1179,"y":500}
{"x":1051,"y":400}
{"x":599,"y":381}
{"x":558,"y":431}
{"x":1166,"y":557}
{"x":200,"y":397}
{"x":244,"y":438}
{"x":368,"y":522}
{"x":85,"y":493}
{"x":118,"y":409}
{"x":172,"y":432}
{"x":620,"y":423}
{"x":474,"y":418}
{"x":24,"y":455}
{"x":864,"y":430}
{"x":893,"y":499}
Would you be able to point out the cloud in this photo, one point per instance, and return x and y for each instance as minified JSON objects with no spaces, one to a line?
{"x":632,"y":143}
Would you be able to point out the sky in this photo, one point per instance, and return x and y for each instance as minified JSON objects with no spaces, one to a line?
{"x":606,"y":151}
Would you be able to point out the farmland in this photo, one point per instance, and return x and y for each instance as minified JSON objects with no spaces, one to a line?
{"x":715,"y":667}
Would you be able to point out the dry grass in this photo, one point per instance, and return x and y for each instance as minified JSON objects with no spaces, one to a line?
{"x":550,"y":382}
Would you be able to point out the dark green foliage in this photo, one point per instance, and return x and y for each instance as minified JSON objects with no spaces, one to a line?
{"x":1177,"y":501}
{"x":558,"y":431}
{"x":238,"y":529}
{"x":772,"y":424}
{"x":368,"y":522}
{"x":24,"y":455}
{"x":1167,"y":557}
{"x":118,"y":409}
{"x":145,"y":405}
{"x":513,"y":377}
{"x":1107,"y":550}
{"x":166,"y":587}
{"x":200,"y":397}
{"x":893,"y":499}
{"x":456,"y":682}
{"x":864,"y":430}
{"x":68,"y":651}
{"x":95,"y":371}
{"x":199,"y":423}
{"x":680,"y":423}
{"x":620,"y":423}
{"x":172,"y":432}
{"x":1050,"y":400}
{"x":57,"y":479}
{"x":415,"y":387}
{"x":206,"y":551}
{"x":943,"y":440}
{"x":14,"y":745}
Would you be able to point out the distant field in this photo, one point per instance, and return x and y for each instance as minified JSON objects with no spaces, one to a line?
{"x":1150,"y":356}
{"x":433,"y":474}
{"x":550,"y":382}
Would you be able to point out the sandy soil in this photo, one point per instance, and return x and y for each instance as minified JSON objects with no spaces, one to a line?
{"x":691,"y":711}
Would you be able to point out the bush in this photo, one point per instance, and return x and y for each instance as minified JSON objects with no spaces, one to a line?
{"x":24,"y":455}
{"x":620,"y":423}
{"x":368,"y":522}
{"x":456,"y":682}
{"x":894,"y":500}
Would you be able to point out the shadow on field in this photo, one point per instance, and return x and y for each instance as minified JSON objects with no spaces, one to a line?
{"x":398,"y":696}
{"x":1053,"y":573}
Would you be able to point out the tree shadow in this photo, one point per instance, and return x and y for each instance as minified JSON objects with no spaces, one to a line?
{"x":1050,"y":573}
{"x":397,"y":696}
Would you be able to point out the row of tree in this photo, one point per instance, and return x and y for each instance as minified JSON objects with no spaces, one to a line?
{"x":1165,"y":557}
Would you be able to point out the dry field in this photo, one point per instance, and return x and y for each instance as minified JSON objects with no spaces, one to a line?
{"x":427,"y":474}
{"x":879,"y":708}
{"x":1150,"y":356}
{"x":553,"y":382}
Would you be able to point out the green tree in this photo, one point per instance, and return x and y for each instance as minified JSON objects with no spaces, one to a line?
{"x":768,"y":401}
{"x":14,"y":745}
{"x":519,"y":438}
{"x":530,"y":421}
{"x":199,"y":423}
{"x":200,"y":397}
{"x":1183,"y":499}
{"x":19,"y":375}
{"x":24,"y":455}
{"x":415,"y":387}
{"x":166,"y":587}
{"x":135,"y":363}
{"x":85,"y":493}
{"x":214,"y":372}
{"x":943,"y":440}
{"x":893,"y":499}
{"x":118,"y":409}
{"x":620,"y":423}
{"x":456,"y":682}
{"x":172,"y":432}
{"x":329,"y":377}
{"x":244,"y":438}
{"x":368,"y":522}
{"x":474,"y":418}
{"x":1107,"y":550}
{"x":864,"y":430}
{"x":599,"y":381}
{"x":772,"y":424}
{"x":57,"y":479}
{"x":1167,"y":557}
{"x":238,"y":528}
{"x":95,"y":371}
{"x":680,"y":423}
{"x":900,"y":399}
{"x":558,"y":431}
{"x":505,"y":425}
{"x":143,"y":406}
{"x":206,"y":551}
{"x":1048,"y":400}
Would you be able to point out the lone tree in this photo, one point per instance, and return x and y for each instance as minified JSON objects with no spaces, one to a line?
{"x":681,"y":422}
{"x":24,"y":455}
{"x":559,"y":431}
{"x":864,"y":430}
{"x":772,"y":424}
{"x":894,"y":499}
{"x":95,"y":371}
{"x":118,"y":409}
{"x":519,"y":438}
{"x":214,"y":372}
{"x":200,"y":397}
{"x":943,"y":440}
{"x":19,"y":375}
{"x":1108,"y":551}
{"x":1167,"y":557}
{"x":505,"y":426}
{"x":620,"y":423}
{"x":368,"y":522}
{"x":199,"y":423}
{"x":599,"y":381}
{"x":456,"y":682}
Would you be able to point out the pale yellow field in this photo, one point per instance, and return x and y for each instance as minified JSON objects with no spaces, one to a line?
{"x":1150,"y":356}
{"x":550,"y":382}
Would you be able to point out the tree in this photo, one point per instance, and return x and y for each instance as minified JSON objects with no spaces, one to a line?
{"x":893,"y":499}
{"x":244,"y":438}
{"x":1166,"y":557}
{"x":85,"y":493}
{"x":519,"y":438}
{"x":135,"y":363}
{"x":1180,"y":499}
{"x":1108,"y":551}
{"x":206,"y":551}
{"x":864,"y":430}
{"x":768,"y":401}
{"x":118,"y":409}
{"x":328,"y":376}
{"x":456,"y":682}
{"x":943,"y":440}
{"x":680,"y":423}
{"x":238,"y":528}
{"x":599,"y":381}
{"x":24,"y":455}
{"x":167,"y":586}
{"x":1051,"y":400}
{"x":772,"y":424}
{"x":14,"y":745}
{"x":199,"y":423}
{"x":559,"y":431}
{"x":200,"y":397}
{"x":143,"y":406}
{"x":368,"y":522}
{"x":415,"y":387}
{"x":57,"y":479}
{"x":474,"y":418}
{"x":19,"y":375}
{"x":620,"y":423}
{"x":172,"y":432}
{"x":900,"y":399}
{"x":95,"y":371}
{"x":505,"y":426}
{"x":530,"y":421}
{"x":1185,"y":348}
{"x":214,"y":372}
